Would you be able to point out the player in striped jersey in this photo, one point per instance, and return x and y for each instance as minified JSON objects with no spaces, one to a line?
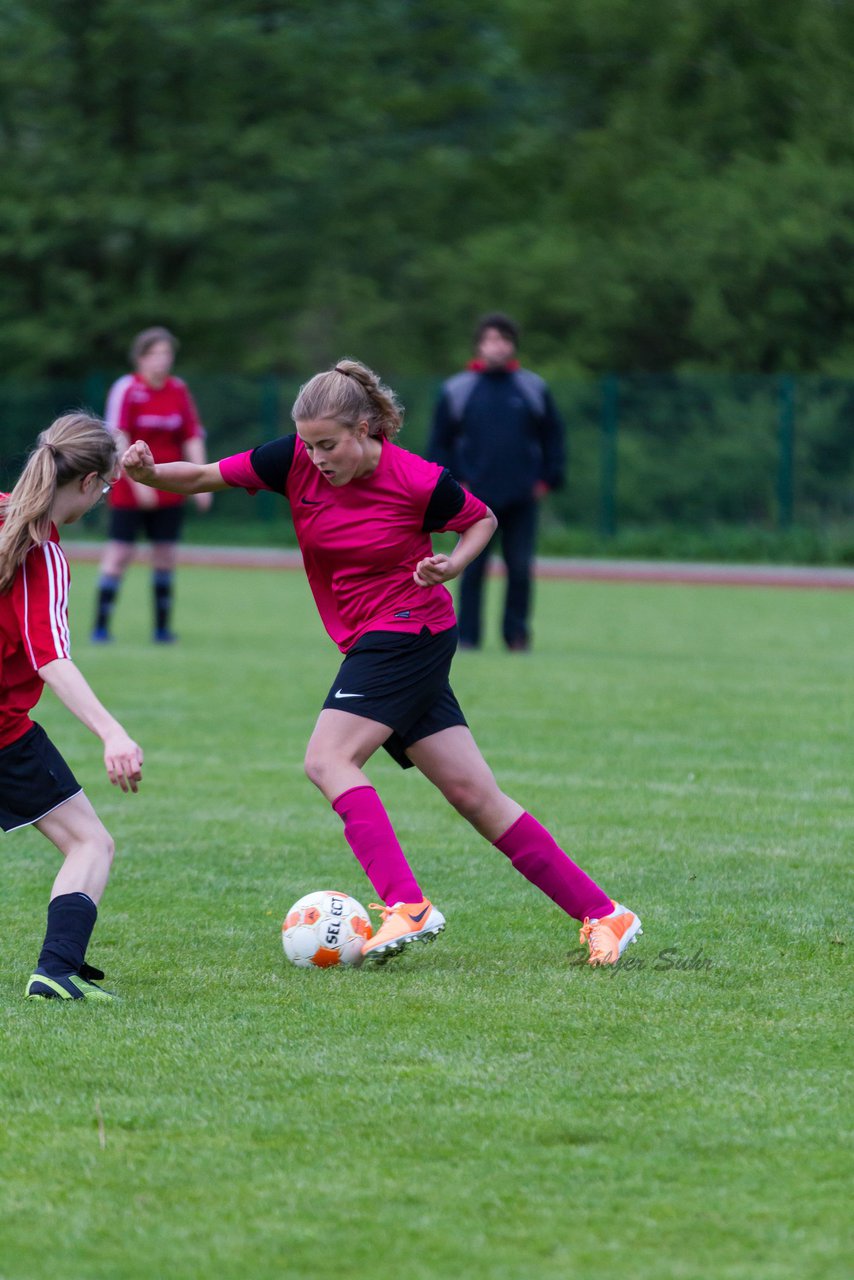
{"x":71,"y":467}
{"x":152,"y":405}
{"x":364,"y":510}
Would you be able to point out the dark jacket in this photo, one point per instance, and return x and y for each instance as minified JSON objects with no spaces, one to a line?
{"x":499,"y":432}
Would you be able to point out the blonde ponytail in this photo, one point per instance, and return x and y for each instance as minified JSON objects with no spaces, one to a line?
{"x":72,"y":447}
{"x":350,"y":393}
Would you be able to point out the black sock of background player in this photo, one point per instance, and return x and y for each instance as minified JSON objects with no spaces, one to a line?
{"x":108,"y":589}
{"x":162,"y":581}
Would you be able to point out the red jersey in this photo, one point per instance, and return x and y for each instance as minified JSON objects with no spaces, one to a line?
{"x":33,"y":632}
{"x":164,"y":417}
{"x":361,"y":542}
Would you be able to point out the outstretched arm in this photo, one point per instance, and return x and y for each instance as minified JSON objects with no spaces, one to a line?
{"x":122,"y":756}
{"x":174,"y":477}
{"x":194,"y":451}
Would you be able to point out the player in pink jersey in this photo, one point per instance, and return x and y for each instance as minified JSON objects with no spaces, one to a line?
{"x":364,"y":510}
{"x":154,"y":406}
{"x":71,"y":467}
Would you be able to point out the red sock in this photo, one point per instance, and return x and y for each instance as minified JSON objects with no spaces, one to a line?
{"x":370,"y":835}
{"x":535,"y":853}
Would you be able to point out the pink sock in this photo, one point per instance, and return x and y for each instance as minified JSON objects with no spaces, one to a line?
{"x":534,"y":852}
{"x":371,"y":837}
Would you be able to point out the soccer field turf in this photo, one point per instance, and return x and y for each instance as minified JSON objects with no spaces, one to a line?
{"x":485,"y":1108}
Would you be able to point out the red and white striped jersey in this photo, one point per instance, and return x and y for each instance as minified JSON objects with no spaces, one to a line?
{"x":164,"y":417}
{"x":33,"y":632}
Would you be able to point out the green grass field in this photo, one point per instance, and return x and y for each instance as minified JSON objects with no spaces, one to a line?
{"x":486,"y":1108}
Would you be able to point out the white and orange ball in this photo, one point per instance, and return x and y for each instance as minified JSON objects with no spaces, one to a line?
{"x":324,"y":929}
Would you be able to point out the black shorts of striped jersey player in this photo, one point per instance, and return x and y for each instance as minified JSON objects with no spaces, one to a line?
{"x":70,"y":469}
{"x":364,"y":510}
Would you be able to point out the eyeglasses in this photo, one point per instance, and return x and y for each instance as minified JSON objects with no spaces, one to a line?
{"x":106,"y":487}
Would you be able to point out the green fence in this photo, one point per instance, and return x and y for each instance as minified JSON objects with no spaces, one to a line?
{"x":685,"y":452}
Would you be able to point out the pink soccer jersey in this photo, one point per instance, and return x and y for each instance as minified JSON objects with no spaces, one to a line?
{"x":33,"y":632}
{"x":361,"y":542}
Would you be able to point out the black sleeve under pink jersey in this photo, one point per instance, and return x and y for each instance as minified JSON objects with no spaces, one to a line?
{"x":271,"y":462}
{"x":447,"y":501}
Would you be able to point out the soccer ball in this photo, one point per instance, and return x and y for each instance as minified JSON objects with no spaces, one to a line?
{"x":325,"y":928}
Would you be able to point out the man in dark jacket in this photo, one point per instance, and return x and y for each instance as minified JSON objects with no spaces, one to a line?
{"x":497,"y":429}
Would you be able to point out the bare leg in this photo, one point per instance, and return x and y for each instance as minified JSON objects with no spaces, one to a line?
{"x":86,"y":845}
{"x":338,"y":748}
{"x":164,"y":556}
{"x":453,"y":762}
{"x":116,"y":558}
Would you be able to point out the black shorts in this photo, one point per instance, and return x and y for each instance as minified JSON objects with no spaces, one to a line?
{"x":400,"y":679}
{"x":34,"y":779}
{"x":161,"y":524}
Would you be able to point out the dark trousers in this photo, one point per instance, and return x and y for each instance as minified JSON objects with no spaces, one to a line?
{"x":517,"y":529}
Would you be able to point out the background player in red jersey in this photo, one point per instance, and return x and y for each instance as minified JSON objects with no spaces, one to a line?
{"x":153,"y":406}
{"x":71,"y":467}
{"x":364,"y":511}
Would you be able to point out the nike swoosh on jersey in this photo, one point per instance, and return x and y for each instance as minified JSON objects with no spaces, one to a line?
{"x":311,"y":502}
{"x":339,"y":694}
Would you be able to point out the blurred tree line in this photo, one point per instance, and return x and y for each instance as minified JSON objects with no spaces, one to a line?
{"x":647,"y":185}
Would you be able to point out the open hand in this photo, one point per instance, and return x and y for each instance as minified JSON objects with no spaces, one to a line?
{"x":123,"y":761}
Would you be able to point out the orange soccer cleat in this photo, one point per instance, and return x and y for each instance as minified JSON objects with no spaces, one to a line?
{"x":403,"y":923}
{"x":609,"y":937}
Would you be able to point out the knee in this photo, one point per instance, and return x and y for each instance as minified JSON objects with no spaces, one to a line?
{"x":317,"y":766}
{"x":98,"y":849}
{"x":116,"y":560}
{"x":107,"y":851}
{"x":468,"y":798}
{"x":163,"y":557}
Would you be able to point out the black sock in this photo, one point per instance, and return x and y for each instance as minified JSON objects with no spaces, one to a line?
{"x":162,"y":581}
{"x":108,"y":589}
{"x":70,"y":920}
